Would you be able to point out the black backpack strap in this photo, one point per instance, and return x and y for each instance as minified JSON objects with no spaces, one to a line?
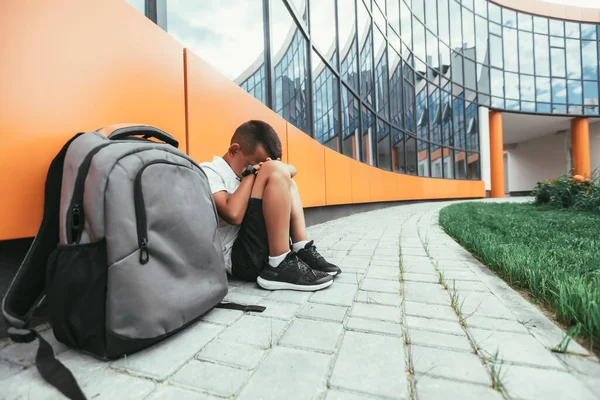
{"x":241,"y":307}
{"x":27,"y":287}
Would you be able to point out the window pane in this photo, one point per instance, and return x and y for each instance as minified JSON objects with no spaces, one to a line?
{"x":511,"y":60}
{"x":526,"y":52}
{"x":472,"y":128}
{"x":443,"y":21}
{"x":419,"y":39}
{"x":559,"y":91}
{"x":482,"y":40}
{"x":574,"y":57}
{"x":495,"y":13}
{"x":381,"y":75}
{"x":483,"y":79}
{"x":422,"y":115}
{"x":473,"y":167}
{"x":349,"y":53}
{"x":511,"y":85}
{"x":300,"y":7}
{"x":322,"y":30}
{"x":432,"y":51}
{"x":496,"y":51}
{"x":590,"y":60}
{"x":411,"y":155}
{"x":448,"y":163}
{"x":588,"y":31}
{"x":393,"y":14}
{"x":457,"y":68}
{"x":455,"y":26}
{"x":460,"y":164}
{"x":446,"y":117}
{"x":497,"y":80}
{"x":512,"y":105}
{"x":368,"y":123}
{"x":575,"y":92}
{"x":436,"y":161}
{"x":435,"y":114}
{"x":290,"y":69}
{"x":540,"y":24}
{"x":395,"y":73}
{"x":525,"y":22}
{"x":468,"y":34}
{"x":366,"y":53}
{"x":527,"y":88}
{"x":542,"y":89}
{"x":572,"y":29}
{"x":325,"y":104}
{"x":398,"y":159}
{"x":544,"y":108}
{"x":542,"y":55}
{"x":470,"y":74}
{"x":409,"y":104}
{"x":458,"y":122}
{"x":557,"y":27}
{"x":419,"y":9}
{"x":423,"y":157}
{"x":204,"y":27}
{"x":558,"y":61}
{"x":590,"y":91}
{"x":379,"y":19}
{"x":350,"y":123}
{"x":139,"y":5}
{"x":406,"y":24}
{"x":481,"y":7}
{"x":509,"y":18}
{"x":384,"y":154}
{"x":431,"y":14}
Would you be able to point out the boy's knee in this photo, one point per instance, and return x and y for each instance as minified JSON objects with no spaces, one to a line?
{"x":275,"y":169}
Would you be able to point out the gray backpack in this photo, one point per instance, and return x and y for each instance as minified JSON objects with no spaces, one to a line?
{"x":128,"y":251}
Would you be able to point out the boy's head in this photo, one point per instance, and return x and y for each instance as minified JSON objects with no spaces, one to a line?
{"x":254,"y":141}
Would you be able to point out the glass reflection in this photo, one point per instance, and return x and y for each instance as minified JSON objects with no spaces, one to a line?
{"x":322,"y":30}
{"x":473,"y":167}
{"x":436,"y":161}
{"x":589,"y":55}
{"x":435,"y":114}
{"x":368,"y":122}
{"x":481,"y":27}
{"x":381,"y":75}
{"x":432,"y":15}
{"x":207,"y":28}
{"x":526,"y":52}
{"x":423,"y":158}
{"x":509,"y":18}
{"x":511,"y":85}
{"x":384,"y":154}
{"x":348,"y":48}
{"x":540,"y":24}
{"x":422,"y":117}
{"x":418,"y":8}
{"x":300,"y":7}
{"x":290,"y":70}
{"x":542,"y":55}
{"x":483,"y":79}
{"x":572,"y":30}
{"x":470,"y":74}
{"x":393,"y":14}
{"x":497,"y":82}
{"x":496,"y":51}
{"x":444,"y":33}
{"x":457,"y":68}
{"x":406,"y":26}
{"x":456,"y":42}
{"x":495,"y":13}
{"x":365,"y":34}
{"x":588,"y":31}
{"x":398,"y":158}
{"x":379,"y":19}
{"x":574,"y":57}
{"x":557,"y":28}
{"x":590,"y":93}
{"x":458,"y":122}
{"x":559,"y":91}
{"x":558,"y":61}
{"x":481,"y":7}
{"x":350,"y":124}
{"x":527,"y":88}
{"x":525,"y":22}
{"x":460,"y":163}
{"x":411,"y":155}
{"x":419,"y":40}
{"x":468,"y":34}
{"x":448,"y":163}
{"x":395,"y":73}
{"x":325,"y":104}
{"x":511,"y":60}
{"x":446,"y":117}
{"x":575,"y":92}
{"x":542,"y":89}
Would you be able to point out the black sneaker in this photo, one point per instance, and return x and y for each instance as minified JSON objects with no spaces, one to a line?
{"x":293,"y":274}
{"x":311,"y":256}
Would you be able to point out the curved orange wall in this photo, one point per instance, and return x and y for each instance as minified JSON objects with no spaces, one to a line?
{"x":77,"y":65}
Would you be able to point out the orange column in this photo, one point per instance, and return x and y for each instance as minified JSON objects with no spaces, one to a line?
{"x":496,"y":155}
{"x":580,"y":146}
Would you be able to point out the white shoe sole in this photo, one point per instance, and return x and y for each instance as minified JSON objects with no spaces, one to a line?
{"x":276,"y":285}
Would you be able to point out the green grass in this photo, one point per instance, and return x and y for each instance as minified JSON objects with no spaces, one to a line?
{"x":555,"y":255}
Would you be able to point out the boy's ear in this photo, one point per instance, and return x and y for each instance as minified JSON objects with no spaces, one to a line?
{"x":234,"y":149}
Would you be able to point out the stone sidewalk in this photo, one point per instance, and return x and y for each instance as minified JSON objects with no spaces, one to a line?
{"x":413,"y":316}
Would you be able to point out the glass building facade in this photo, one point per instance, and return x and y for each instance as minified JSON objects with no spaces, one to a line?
{"x":393,"y":83}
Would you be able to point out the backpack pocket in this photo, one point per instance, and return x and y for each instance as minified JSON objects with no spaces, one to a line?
{"x":76,"y":293}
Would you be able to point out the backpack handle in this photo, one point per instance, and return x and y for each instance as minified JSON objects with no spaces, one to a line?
{"x":146,"y":131}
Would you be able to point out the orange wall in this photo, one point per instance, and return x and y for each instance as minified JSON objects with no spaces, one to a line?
{"x":88,"y":64}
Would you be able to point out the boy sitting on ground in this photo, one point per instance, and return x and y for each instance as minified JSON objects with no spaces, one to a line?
{"x":259,"y":208}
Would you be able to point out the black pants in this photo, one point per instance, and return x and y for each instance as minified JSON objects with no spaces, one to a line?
{"x":251,"y":248}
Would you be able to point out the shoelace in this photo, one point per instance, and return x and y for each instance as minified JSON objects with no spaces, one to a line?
{"x":305,"y":268}
{"x":313,"y":251}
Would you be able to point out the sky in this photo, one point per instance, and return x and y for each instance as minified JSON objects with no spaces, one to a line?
{"x":578,"y":3}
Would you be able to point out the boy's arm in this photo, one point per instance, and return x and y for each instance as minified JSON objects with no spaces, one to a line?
{"x":232,"y":208}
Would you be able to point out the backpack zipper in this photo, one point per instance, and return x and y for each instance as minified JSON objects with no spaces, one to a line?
{"x":140,"y":210}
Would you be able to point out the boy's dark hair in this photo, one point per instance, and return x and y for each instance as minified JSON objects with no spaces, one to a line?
{"x":254,"y":132}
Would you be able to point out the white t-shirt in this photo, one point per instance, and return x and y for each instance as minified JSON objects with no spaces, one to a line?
{"x":222,"y":178}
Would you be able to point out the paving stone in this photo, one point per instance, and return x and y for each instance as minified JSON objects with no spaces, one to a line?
{"x":361,"y":253}
{"x":434,"y":325}
{"x":353,"y":262}
{"x":495,"y":324}
{"x":430,"y":388}
{"x":213,"y":378}
{"x":222,"y":316}
{"x":385,"y":263}
{"x":384,"y":273}
{"x":441,"y":340}
{"x":379,"y":285}
{"x":430,"y":310}
{"x":288,"y":374}
{"x":334,"y":394}
{"x":163,"y":359}
{"x":371,"y":364}
{"x":289,"y":296}
{"x":24,"y":353}
{"x":376,"y":311}
{"x":337,"y":294}
{"x":343,"y":245}
{"x":484,"y":305}
{"x":469,"y":286}
{"x":253,"y":289}
{"x":8,"y":369}
{"x":515,"y":347}
{"x":277,"y":309}
{"x":351,"y":278}
{"x":235,"y":354}
{"x":391,"y":259}
{"x":413,"y":251}
{"x":256,"y":331}
{"x":449,"y":364}
{"x":369,"y":297}
{"x":242,"y":298}
{"x":174,"y":392}
{"x":583,"y":365}
{"x":323,"y":312}
{"x":431,"y":293}
{"x":372,"y":326}
{"x":532,"y":384}
{"x":419,"y":277}
{"x":312,"y":335}
{"x":464,"y":275}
